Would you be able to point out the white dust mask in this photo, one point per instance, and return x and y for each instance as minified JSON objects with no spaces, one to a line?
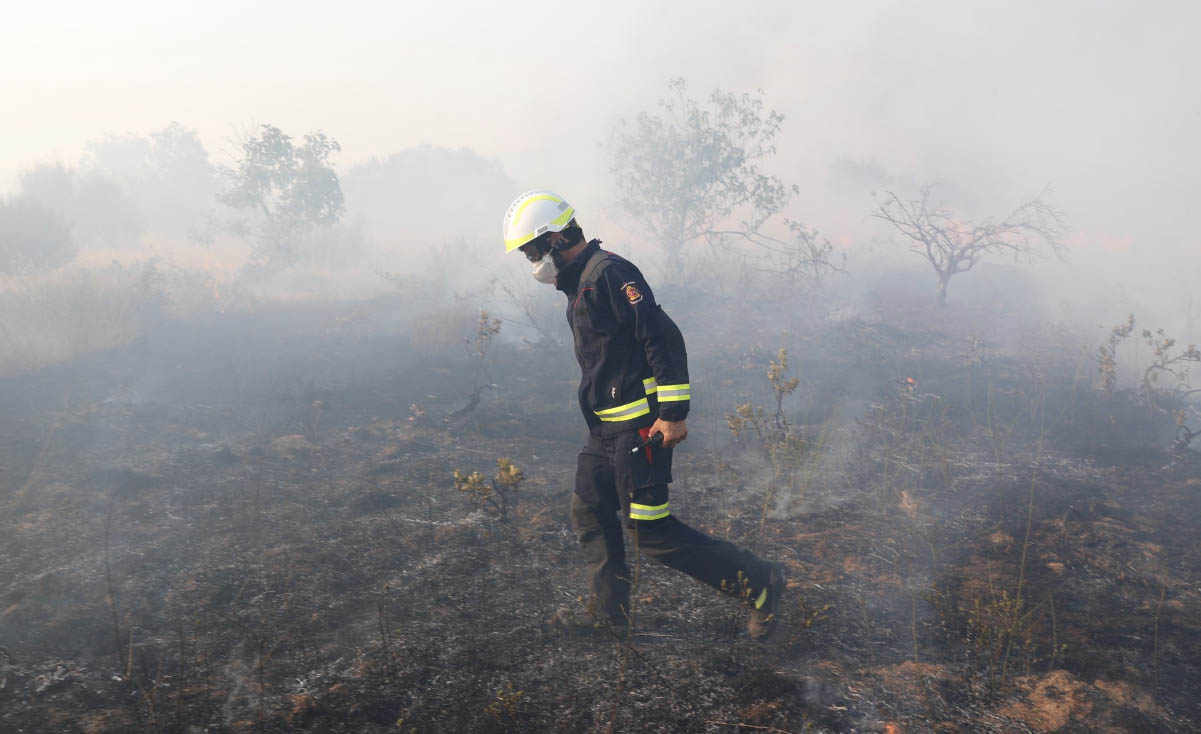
{"x":545,"y":270}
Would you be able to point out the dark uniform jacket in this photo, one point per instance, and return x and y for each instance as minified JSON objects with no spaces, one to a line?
{"x":631,"y":354}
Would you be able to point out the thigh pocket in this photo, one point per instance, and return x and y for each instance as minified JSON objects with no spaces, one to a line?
{"x":643,"y":478}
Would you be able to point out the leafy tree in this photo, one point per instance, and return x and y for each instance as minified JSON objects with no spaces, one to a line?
{"x":692,"y":172}
{"x":53,"y":186}
{"x":123,"y":157}
{"x":290,"y":189}
{"x":953,"y":245}
{"x":168,"y":174}
{"x":32,"y":237}
{"x":177,"y":154}
{"x":95,"y":207}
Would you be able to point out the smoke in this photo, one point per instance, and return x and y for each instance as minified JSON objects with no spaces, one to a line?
{"x":997,"y":100}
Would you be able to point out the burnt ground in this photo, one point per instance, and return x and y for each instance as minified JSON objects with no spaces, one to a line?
{"x":247,"y":525}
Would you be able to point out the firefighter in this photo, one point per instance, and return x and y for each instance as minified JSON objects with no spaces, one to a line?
{"x":635,"y":396}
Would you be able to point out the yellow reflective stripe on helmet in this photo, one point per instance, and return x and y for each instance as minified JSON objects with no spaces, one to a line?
{"x":674,"y":393}
{"x":516,"y":242}
{"x":563,"y":218}
{"x":558,"y":221}
{"x":649,"y":385}
{"x":541,"y":197}
{"x":626,"y":412}
{"x":648,"y":512}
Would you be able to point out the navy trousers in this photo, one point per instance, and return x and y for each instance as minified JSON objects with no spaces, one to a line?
{"x":614,"y":489}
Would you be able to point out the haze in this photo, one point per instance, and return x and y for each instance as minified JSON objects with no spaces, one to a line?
{"x":299,"y":455}
{"x":1002,"y":98}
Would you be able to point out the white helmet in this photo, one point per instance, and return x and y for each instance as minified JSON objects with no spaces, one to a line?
{"x":535,"y":213}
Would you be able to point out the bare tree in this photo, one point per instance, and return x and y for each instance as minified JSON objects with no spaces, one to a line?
{"x":952,"y":245}
{"x":805,"y":259}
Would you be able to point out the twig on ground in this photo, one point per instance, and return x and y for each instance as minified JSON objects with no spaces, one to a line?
{"x":751,"y":726}
{"x":112,"y":594}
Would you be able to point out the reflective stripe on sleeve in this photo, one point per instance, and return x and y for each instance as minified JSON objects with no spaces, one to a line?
{"x":649,"y":385}
{"x":673,"y":393}
{"x":626,"y":412}
{"x":648,"y":512}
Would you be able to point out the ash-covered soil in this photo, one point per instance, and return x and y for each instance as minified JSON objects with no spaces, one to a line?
{"x":219,"y":531}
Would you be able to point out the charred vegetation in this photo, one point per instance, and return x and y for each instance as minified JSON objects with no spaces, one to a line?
{"x":286,"y":520}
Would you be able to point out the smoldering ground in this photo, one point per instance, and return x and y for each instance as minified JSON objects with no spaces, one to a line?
{"x":245,"y":518}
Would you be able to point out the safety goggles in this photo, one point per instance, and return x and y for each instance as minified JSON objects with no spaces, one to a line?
{"x":536,"y":249}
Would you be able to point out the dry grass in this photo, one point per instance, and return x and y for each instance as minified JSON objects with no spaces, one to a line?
{"x":57,"y":317}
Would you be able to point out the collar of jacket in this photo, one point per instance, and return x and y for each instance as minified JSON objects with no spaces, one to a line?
{"x":568,"y":279}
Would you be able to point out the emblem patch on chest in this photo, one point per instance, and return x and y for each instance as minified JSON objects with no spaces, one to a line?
{"x":633,"y":295}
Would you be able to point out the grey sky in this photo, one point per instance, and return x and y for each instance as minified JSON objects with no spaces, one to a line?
{"x":1100,"y":100}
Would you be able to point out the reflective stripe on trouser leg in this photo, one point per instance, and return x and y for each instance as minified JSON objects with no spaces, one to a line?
{"x":648,"y":512}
